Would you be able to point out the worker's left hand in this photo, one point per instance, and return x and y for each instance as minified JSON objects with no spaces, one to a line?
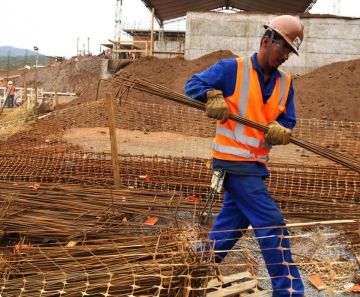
{"x":277,"y":134}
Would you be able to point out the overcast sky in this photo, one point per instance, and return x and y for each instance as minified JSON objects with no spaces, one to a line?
{"x":56,"y":26}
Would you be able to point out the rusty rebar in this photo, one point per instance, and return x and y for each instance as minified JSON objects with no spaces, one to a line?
{"x":161,"y":91}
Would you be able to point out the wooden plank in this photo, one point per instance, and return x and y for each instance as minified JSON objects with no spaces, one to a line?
{"x":129,"y":51}
{"x":358,"y":258}
{"x":228,"y":279}
{"x":127,"y":41}
{"x":357,"y":255}
{"x":113,"y":141}
{"x":56,"y":94}
{"x":152,"y":31}
{"x":260,"y":294}
{"x":25,"y":91}
{"x":317,"y":282}
{"x":233,"y":289}
{"x":168,"y":52}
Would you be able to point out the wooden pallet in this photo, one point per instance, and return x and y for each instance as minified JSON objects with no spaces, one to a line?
{"x":237,"y":284}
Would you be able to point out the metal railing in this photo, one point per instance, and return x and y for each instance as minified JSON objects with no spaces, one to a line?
{"x":19,"y":93}
{"x":176,"y":26}
{"x":30,"y":92}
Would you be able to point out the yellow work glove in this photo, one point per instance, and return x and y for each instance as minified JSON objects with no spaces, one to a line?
{"x":216,"y":106}
{"x":277,"y":134}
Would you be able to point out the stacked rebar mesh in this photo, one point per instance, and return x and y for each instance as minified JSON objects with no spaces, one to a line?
{"x":68,"y":239}
{"x":66,"y":230}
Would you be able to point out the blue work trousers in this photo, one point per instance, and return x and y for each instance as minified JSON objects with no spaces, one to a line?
{"x":10,"y":101}
{"x":248,"y":202}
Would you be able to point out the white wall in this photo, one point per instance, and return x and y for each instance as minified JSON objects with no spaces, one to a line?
{"x":168,"y":46}
{"x":327,"y":39}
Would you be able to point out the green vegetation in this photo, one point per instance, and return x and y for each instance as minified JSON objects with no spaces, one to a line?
{"x":16,"y":62}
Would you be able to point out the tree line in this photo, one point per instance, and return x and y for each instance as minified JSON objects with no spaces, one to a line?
{"x":16,"y":62}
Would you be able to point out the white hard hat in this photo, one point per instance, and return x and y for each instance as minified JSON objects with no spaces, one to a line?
{"x":10,"y":82}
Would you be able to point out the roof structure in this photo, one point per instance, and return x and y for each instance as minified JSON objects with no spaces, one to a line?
{"x":166,"y":10}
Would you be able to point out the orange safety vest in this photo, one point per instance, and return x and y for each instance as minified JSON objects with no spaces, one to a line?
{"x":238,"y":142}
{"x":11,"y":90}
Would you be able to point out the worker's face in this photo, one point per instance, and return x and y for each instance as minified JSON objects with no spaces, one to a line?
{"x":280,"y":52}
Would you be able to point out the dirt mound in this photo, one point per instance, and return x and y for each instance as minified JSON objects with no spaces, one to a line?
{"x":73,"y":75}
{"x":173,"y":73}
{"x":330,"y":92}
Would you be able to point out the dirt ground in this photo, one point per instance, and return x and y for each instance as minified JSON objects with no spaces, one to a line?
{"x":331,"y":92}
{"x":328,"y":93}
{"x":156,"y":143}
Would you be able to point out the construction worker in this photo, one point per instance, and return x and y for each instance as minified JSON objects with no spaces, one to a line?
{"x":253,"y":88}
{"x":18,"y":101}
{"x":10,"y":94}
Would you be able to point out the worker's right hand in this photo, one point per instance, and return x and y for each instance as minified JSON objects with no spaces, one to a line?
{"x":277,"y":134}
{"x":216,"y":106}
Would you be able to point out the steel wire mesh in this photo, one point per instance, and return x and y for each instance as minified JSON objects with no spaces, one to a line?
{"x":164,"y":160}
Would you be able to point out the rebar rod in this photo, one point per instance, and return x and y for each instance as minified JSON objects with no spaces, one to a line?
{"x":161,"y":91}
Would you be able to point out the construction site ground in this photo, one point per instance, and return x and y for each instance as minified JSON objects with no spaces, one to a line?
{"x":165,"y":147}
{"x":330,"y":92}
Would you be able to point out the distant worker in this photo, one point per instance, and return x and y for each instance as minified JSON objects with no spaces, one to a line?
{"x":10,"y":94}
{"x":18,"y":101}
{"x":253,"y":88}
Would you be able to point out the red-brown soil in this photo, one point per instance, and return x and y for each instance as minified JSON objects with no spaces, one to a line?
{"x":331,"y":92}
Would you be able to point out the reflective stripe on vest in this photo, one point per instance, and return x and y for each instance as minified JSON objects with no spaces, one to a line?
{"x":235,"y":141}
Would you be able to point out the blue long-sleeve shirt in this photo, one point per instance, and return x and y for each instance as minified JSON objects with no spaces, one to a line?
{"x":222,"y":76}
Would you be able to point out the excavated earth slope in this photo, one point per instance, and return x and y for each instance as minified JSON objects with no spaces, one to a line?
{"x":330,"y":92}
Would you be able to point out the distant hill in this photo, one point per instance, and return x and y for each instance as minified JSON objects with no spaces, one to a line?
{"x":13,"y":51}
{"x":14,"y":58}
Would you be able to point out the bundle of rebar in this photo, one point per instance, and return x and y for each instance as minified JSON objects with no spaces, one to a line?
{"x":86,"y":212}
{"x":304,"y":192}
{"x":161,"y":91}
{"x":124,"y":264}
{"x":128,"y":258}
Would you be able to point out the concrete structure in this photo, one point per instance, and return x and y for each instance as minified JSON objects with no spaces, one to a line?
{"x":169,"y":49}
{"x":105,"y":72}
{"x":328,"y":38}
